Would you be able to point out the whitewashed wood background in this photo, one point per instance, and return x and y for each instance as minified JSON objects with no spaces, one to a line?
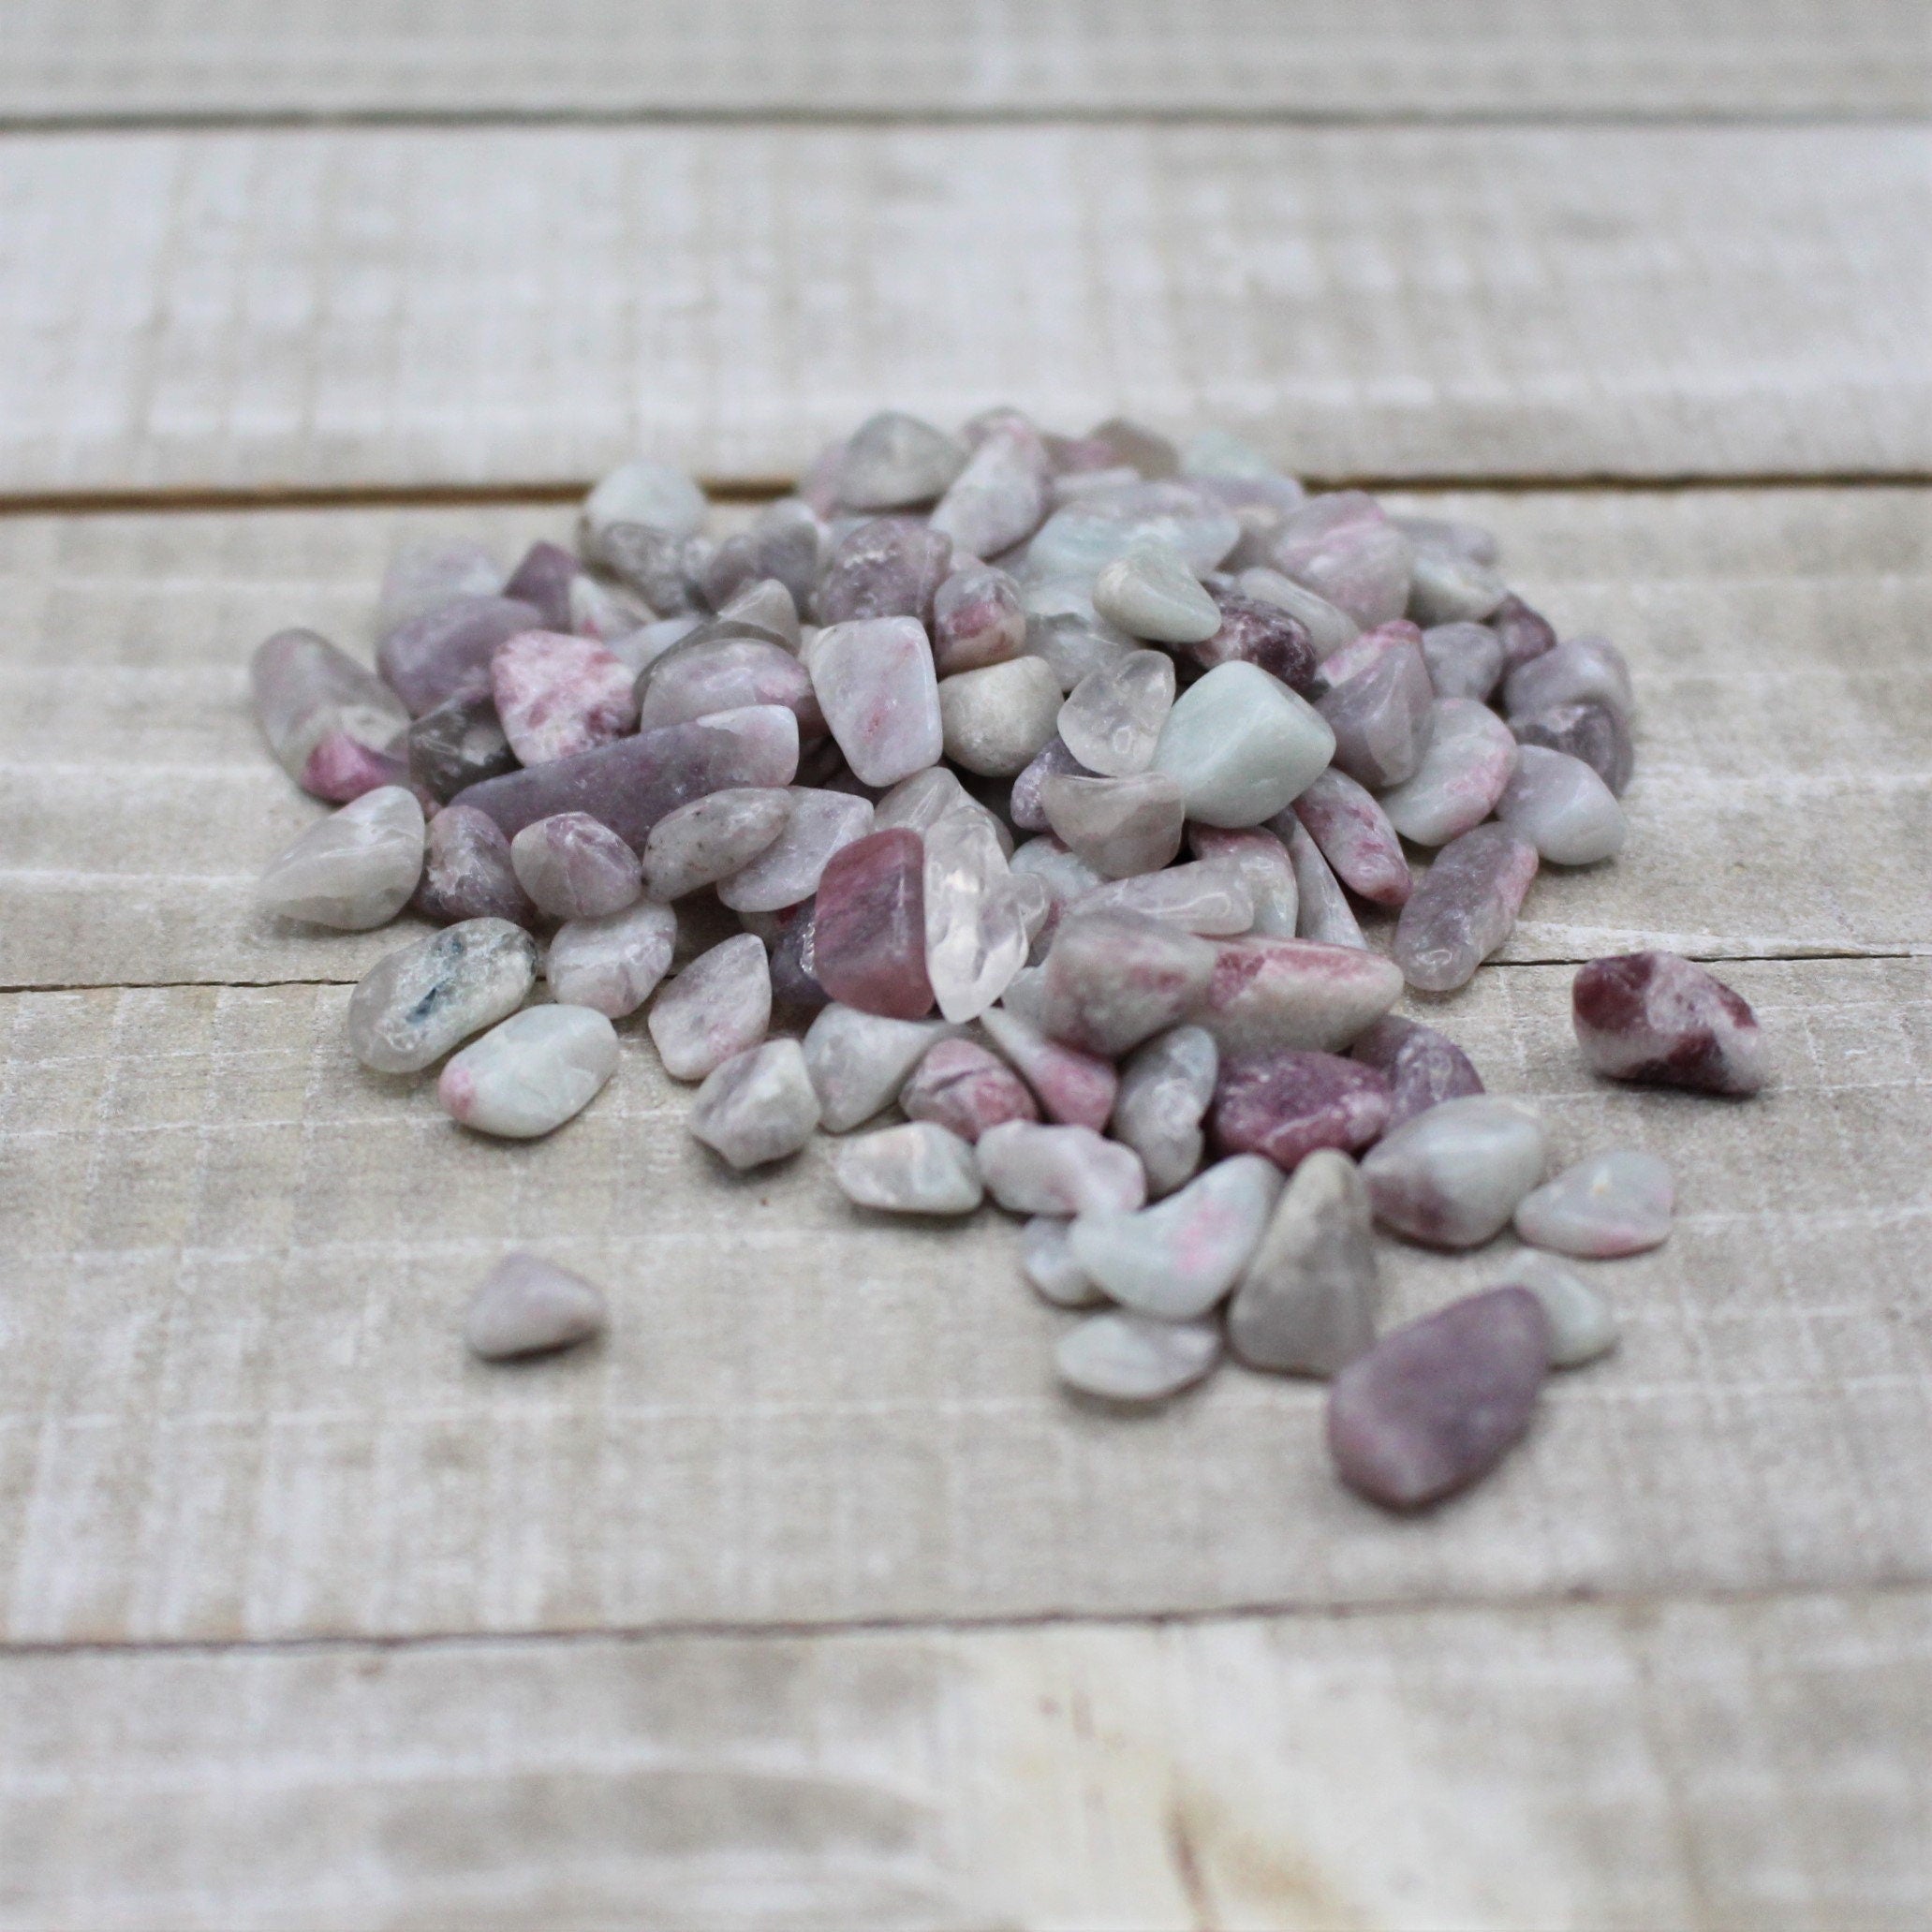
{"x":806,"y":1601}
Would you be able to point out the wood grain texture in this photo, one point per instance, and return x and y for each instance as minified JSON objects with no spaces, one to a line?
{"x":372,"y":306}
{"x":1580,"y":1766}
{"x":1780,"y":643}
{"x":122,"y":58}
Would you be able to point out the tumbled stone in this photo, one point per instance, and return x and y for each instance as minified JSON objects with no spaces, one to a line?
{"x":1025,"y":994}
{"x":1242,"y":745}
{"x":1465,"y":907}
{"x":1083,"y":538}
{"x":574,"y":868}
{"x":870,"y":946}
{"x":1328,"y":627}
{"x":1121,"y":827}
{"x":604,"y":612}
{"x":892,"y":566}
{"x":1177,"y":1260}
{"x":1423,"y":1066}
{"x":449,"y":649}
{"x":790,"y":868}
{"x":1592,"y":733}
{"x":1145,"y":450}
{"x":1285,"y":1103}
{"x":877,"y":687}
{"x":794,"y":985}
{"x":995,"y":720}
{"x":1656,"y":1019}
{"x":1562,"y":807}
{"x":1355,"y":838}
{"x":1162,"y":1101}
{"x":786,"y":543}
{"x":353,"y":870}
{"x":643,"y":648}
{"x":762,"y":608}
{"x":1115,"y":979}
{"x":1027,"y":803}
{"x":962,"y":1086}
{"x":326,"y":718}
{"x":892,"y":461}
{"x":1448,"y":585}
{"x":1344,"y":548}
{"x":1259,"y":859}
{"x":430,"y":572}
{"x":1472,"y":540}
{"x":713,"y":837}
{"x":542,"y":579}
{"x":1069,"y":637}
{"x":1073,"y":1088}
{"x":1033,"y":1170}
{"x":1470,"y":759}
{"x":645,"y":492}
{"x":1062,"y":874}
{"x":530,"y":1074}
{"x":556,"y":695}
{"x":699,"y":678}
{"x":858,"y":1062}
{"x":458,"y":743}
{"x":718,"y":1006}
{"x":528,"y":1306}
{"x":1581,"y":1326}
{"x":1264,"y":994}
{"x":611,"y":963}
{"x":1149,"y":592}
{"x":1452,"y":1176}
{"x":1255,"y":632}
{"x":1110,"y":723}
{"x":1000,"y":498}
{"x":1070,"y":486}
{"x":1581,"y":670}
{"x":918,"y":803}
{"x":1322,"y":911}
{"x":975,"y":914}
{"x":466,"y":871}
{"x":632,"y":783}
{"x":1046,"y":1259}
{"x":977,"y":620}
{"x":415,"y":1004}
{"x":1438,"y":1402}
{"x":1207,"y":897}
{"x":648,"y":561}
{"x":1122,"y":1357}
{"x":917,"y":1168}
{"x":1381,"y":713}
{"x":1524,"y":633}
{"x":1617,"y":1203}
{"x":758,"y":1107}
{"x":1465,"y":661}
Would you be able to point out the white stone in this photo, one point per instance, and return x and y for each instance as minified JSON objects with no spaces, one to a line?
{"x":527,"y":1077}
{"x":995,"y":720}
{"x":1581,"y":1326}
{"x":1164,"y":1094}
{"x":976,"y":925}
{"x":1046,"y":1259}
{"x":758,"y":1107}
{"x":1242,"y":745}
{"x":1562,"y":807}
{"x":1129,"y":1358}
{"x":788,"y":869}
{"x":528,"y":1306}
{"x":1034,"y":1170}
{"x":1151,"y":593}
{"x":718,"y":1006}
{"x":355,"y":869}
{"x":894,"y":460}
{"x":1121,"y":827}
{"x":645,"y":492}
{"x":1452,"y":1176}
{"x":874,"y":682}
{"x":413,"y":1005}
{"x":713,"y":837}
{"x":1113,"y":719}
{"x":920,"y":802}
{"x":611,"y":965}
{"x":1617,"y":1203}
{"x":1322,"y":911}
{"x":1257,"y":857}
{"x":918,"y":1169}
{"x":858,"y":1062}
{"x":998,"y":499}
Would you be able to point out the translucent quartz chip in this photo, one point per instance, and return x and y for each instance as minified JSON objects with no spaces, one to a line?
{"x":1344,"y":548}
{"x":449,"y":649}
{"x":466,"y":871}
{"x":1258,"y":858}
{"x":1452,"y":1176}
{"x":876,"y":684}
{"x":574,"y":868}
{"x":611,"y":964}
{"x":1465,"y":661}
{"x":757,"y":1108}
{"x":1436,"y":1404}
{"x":1121,"y":827}
{"x":1286,"y":1103}
{"x":1422,"y":1066}
{"x":962,"y":1086}
{"x":918,"y":1169}
{"x":1562,"y":807}
{"x":975,"y":915}
{"x":413,"y":1005}
{"x":1209,"y":897}
{"x":529,"y":1075}
{"x":1242,"y":745}
{"x":1471,"y":756}
{"x":1656,"y":1019}
{"x":870,"y":942}
{"x":1112,"y":721}
{"x":1306,"y":1302}
{"x":315,"y":704}
{"x":1465,"y":907}
{"x":355,"y":869}
{"x":1355,"y":838}
{"x":556,"y":695}
{"x":718,"y":1006}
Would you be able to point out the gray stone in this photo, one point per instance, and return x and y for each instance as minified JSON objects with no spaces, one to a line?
{"x":1581,"y":1326}
{"x":713,"y":837}
{"x":995,"y":720}
{"x":413,"y":1005}
{"x":1046,"y":1259}
{"x":1562,"y":807}
{"x":918,"y":1169}
{"x":894,"y":460}
{"x":1111,"y":722}
{"x":1121,"y":827}
{"x":1465,"y":907}
{"x":529,"y":1306}
{"x":858,"y":1062}
{"x":788,"y":871}
{"x":1162,"y":1099}
{"x":1034,"y":1170}
{"x":718,"y":1008}
{"x":611,"y":963}
{"x":354,"y":870}
{"x":1131,"y":1358}
{"x":573,"y":866}
{"x":1149,"y":592}
{"x":1242,"y":745}
{"x":758,"y":1108}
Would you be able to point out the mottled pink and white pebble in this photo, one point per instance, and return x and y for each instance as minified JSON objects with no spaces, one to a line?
{"x":1381,"y":713}
{"x":1000,"y":498}
{"x":611,"y":964}
{"x":1437,"y":1404}
{"x":696,"y":679}
{"x":892,"y":566}
{"x":1562,"y":807}
{"x":328,"y":720}
{"x":1465,"y":907}
{"x":1121,"y":827}
{"x":1115,"y":979}
{"x":758,"y":1107}
{"x":1210,"y":897}
{"x":1423,"y":1066}
{"x":1262,"y":862}
{"x":1619,"y":1202}
{"x":1470,"y":758}
{"x":1032,"y":1169}
{"x":965,"y":1089}
{"x":788,"y":871}
{"x":353,"y":870}
{"x":877,"y":686}
{"x":467,"y":873}
{"x":528,"y":1076}
{"x":1328,"y":629}
{"x":1656,"y":1019}
{"x":870,"y":944}
{"x":1452,"y":1176}
{"x":1344,"y":548}
{"x":1284,"y":1104}
{"x":1355,"y":837}
{"x":718,"y":1006}
{"x":713,"y":837}
{"x":1075,"y":1088}
{"x":1264,"y":994}
{"x":917,"y":1168}
{"x":573,"y":866}
{"x":977,"y":620}
{"x":558,"y":695}
{"x":448,"y":649}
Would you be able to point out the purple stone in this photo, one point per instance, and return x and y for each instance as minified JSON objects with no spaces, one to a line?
{"x":467,"y":874}
{"x":1522,"y":633}
{"x":649,"y":561}
{"x":573,"y":868}
{"x":449,"y":649}
{"x":542,"y":579}
{"x":458,"y":743}
{"x":965,"y":1089}
{"x":1254,"y":632}
{"x":1381,"y":715}
{"x":1076,"y":1089}
{"x":1286,"y":1103}
{"x":1436,"y":1404}
{"x":1656,"y":1019}
{"x":1027,"y":805}
{"x":1423,"y":1066}
{"x":1590,"y":732}
{"x":328,"y":720}
{"x":977,"y":620}
{"x":871,"y":935}
{"x":341,"y":768}
{"x":1465,"y":907}
{"x":1584,"y":670}
{"x":1354,"y":835}
{"x":892,"y":566}
{"x":794,"y":983}
{"x":695,"y":679}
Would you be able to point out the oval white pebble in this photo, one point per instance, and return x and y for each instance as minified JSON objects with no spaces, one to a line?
{"x":538,"y":1069}
{"x":1617,"y":1203}
{"x":1131,"y":1358}
{"x":356,"y":869}
{"x":527,"y":1305}
{"x":918,"y":1169}
{"x":758,"y":1107}
{"x":1046,"y":1259}
{"x":1581,"y":1326}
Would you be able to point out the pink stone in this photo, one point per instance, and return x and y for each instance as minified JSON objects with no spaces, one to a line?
{"x":1423,"y":1066}
{"x":698,"y":678}
{"x":558,"y":695}
{"x":891,"y":566}
{"x":446,"y":650}
{"x":1265,"y":993}
{"x":1522,"y":633}
{"x":1344,"y":548}
{"x":1582,"y":671}
{"x":877,"y":686}
{"x":573,"y":868}
{"x":1381,"y":715}
{"x":1255,"y":632}
{"x":466,"y":871}
{"x":341,"y":768}
{"x":328,"y":720}
{"x":1658,"y":1020}
{"x":965,"y":1089}
{"x":1470,"y":760}
{"x":718,"y":1008}
{"x":1115,"y":979}
{"x":1465,"y":907}
{"x":1284,"y":1104}
{"x":1355,"y":838}
{"x":543,"y":578}
{"x":1074,"y":1087}
{"x":871,"y":941}
{"x":1436,"y":1404}
{"x":1362,"y":650}
{"x":977,"y":620}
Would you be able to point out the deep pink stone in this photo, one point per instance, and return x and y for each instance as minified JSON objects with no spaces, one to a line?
{"x":1658,"y":1018}
{"x":1353,"y":833}
{"x":966,"y":1089}
{"x":1077,"y":1089}
{"x":1254,"y":632}
{"x":466,"y":871}
{"x":558,"y":695}
{"x":1436,"y":1404}
{"x":1422,"y":1066}
{"x":543,"y":579}
{"x":449,"y":649}
{"x":870,"y":944}
{"x":341,"y":768}
{"x":1525,"y":633}
{"x":1286,"y":1103}
{"x":889,"y":568}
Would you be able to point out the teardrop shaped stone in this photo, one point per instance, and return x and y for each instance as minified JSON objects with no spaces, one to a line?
{"x":353,"y":870}
{"x":528,"y":1306}
{"x":1150,"y":592}
{"x":758,"y":1108}
{"x":718,"y":1006}
{"x":529,"y":1075}
{"x":1242,"y":744}
{"x":1110,"y":723}
{"x":713,"y":837}
{"x":1617,"y":1203}
{"x":1355,"y":838}
{"x":1122,"y":1357}
{"x":1562,"y":807}
{"x":413,"y":1005}
{"x":1452,"y":1176}
{"x":858,"y":1062}
{"x":466,"y":871}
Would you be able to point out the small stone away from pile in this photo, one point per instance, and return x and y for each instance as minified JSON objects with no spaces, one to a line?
{"x":1030,"y":784}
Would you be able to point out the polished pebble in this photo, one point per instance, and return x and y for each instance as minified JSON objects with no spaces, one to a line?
{"x":1580,"y":671}
{"x":1242,"y":745}
{"x":1258,"y":859}
{"x":713,"y":837}
{"x":467,"y":873}
{"x":1073,"y":1088}
{"x":525,"y":1306}
{"x":1115,"y":979}
{"x":1592,"y":733}
{"x":558,"y":695}
{"x":1046,"y":1259}
{"x":758,"y":1107}
{"x":1379,"y":706}
{"x":1150,"y":592}
{"x":918,"y":1169}
{"x":718,"y":1008}
{"x":870,"y":938}
{"x":788,"y":871}
{"x":1465,"y":661}
{"x":1658,"y":1020}
{"x":611,"y":963}
{"x":977,"y":620}
{"x":353,"y":870}
{"x":431,"y":571}
{"x":1616,"y":1203}
{"x":858,"y":1062}
{"x":892,"y":566}
{"x":1423,"y":1066}
{"x":1322,"y":911}
{"x":1111,"y":722}
{"x":1264,"y":994}
{"x":448,"y":648}
{"x":458,"y":743}
{"x":1465,"y":907}
{"x":1000,"y":498}
{"x":1121,"y":827}
{"x":529,"y":1075}
{"x":1122,"y":1357}
{"x":966,"y":1089}
{"x":1208,"y":897}
{"x":316,"y":703}
{"x":1034,"y":1170}
{"x":1163,"y":1097}
{"x":1470,"y":759}
{"x":994,"y":721}
{"x":1562,"y":807}
{"x":880,"y":696}
{"x":1343,"y":547}
{"x":573,"y":866}
{"x":1288,"y":1102}
{"x":893,"y":459}
{"x":1355,"y":838}
{"x":413,"y":1005}
{"x":1582,"y":1324}
{"x":1452,"y":1176}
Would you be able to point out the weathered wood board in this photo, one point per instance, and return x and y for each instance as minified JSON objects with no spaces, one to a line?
{"x":408,"y":306}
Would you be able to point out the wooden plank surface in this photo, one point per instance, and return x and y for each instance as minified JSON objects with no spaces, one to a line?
{"x":123,"y":59}
{"x":1709,"y":1764}
{"x":376,"y":306}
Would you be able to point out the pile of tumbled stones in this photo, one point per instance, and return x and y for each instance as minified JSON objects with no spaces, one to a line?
{"x":938,"y":730}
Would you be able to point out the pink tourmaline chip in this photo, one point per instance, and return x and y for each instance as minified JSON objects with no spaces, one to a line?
{"x":466,"y":871}
{"x":977,"y":620}
{"x":1470,"y":759}
{"x":965,"y":1089}
{"x":1075,"y":1088}
{"x":1355,"y":837}
{"x":1423,"y":1066}
{"x":870,"y":944}
{"x":1294,"y":992}
{"x":1255,"y":632}
{"x":1286,"y":1104}
{"x":558,"y":695}
{"x":1465,"y":907}
{"x":877,"y":687}
{"x":889,"y":568}
{"x":1656,"y":1019}
{"x":1344,"y":548}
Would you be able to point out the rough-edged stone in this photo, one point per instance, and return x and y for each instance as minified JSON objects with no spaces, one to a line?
{"x":858,"y":1062}
{"x":758,"y":1107}
{"x":1452,"y":1176}
{"x":413,"y":1005}
{"x":892,"y":566}
{"x":611,"y":963}
{"x":466,"y":871}
{"x":458,"y":743}
{"x":353,"y":870}
{"x":918,"y":1169}
{"x":542,"y":579}
{"x":530,"y":1074}
{"x":1111,"y":722}
{"x":1656,"y":1019}
{"x":525,"y":1306}
{"x":718,"y":1008}
{"x":1114,"y":979}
